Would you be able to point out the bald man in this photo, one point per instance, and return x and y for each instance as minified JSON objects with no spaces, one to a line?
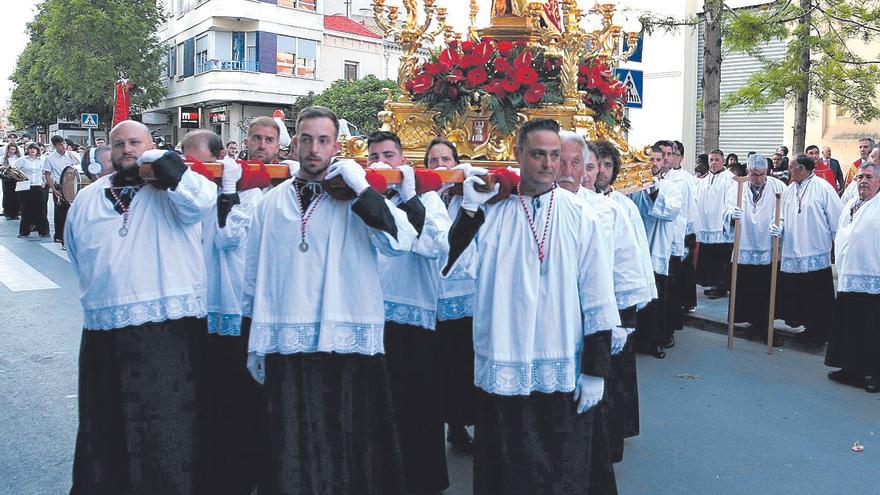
{"x":135,"y":247}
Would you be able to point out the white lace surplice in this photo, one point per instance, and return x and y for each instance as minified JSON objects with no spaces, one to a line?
{"x":658,"y":216}
{"x":712,"y":193}
{"x":154,"y":273}
{"x":328,"y":299}
{"x":530,"y":320}
{"x":808,"y":231}
{"x":224,"y":261}
{"x":411,"y":282}
{"x":687,"y":220}
{"x":456,"y":295}
{"x":857,"y":247}
{"x":635,"y":223}
{"x":756,"y":245}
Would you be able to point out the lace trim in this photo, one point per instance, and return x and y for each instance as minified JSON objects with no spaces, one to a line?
{"x":633,"y":297}
{"x":343,"y":338}
{"x":505,"y":378}
{"x":678,"y":249}
{"x":867,"y":284}
{"x":223,"y":324}
{"x":596,"y":320}
{"x":715,"y":237}
{"x":156,"y":311}
{"x":806,"y":263}
{"x":750,"y":257}
{"x":660,"y":265}
{"x":455,"y":308}
{"x":408,"y":314}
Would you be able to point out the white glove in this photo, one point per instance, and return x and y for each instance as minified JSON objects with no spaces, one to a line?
{"x":588,"y":392}
{"x":231,"y":175}
{"x":470,"y":170}
{"x":256,"y":365}
{"x":380,"y":166}
{"x":283,"y":135}
{"x":440,"y":168}
{"x":292,"y":166}
{"x":776,"y":230}
{"x":736,"y":213}
{"x":473,"y":199}
{"x":352,"y":173}
{"x":618,"y":339}
{"x":407,"y":182}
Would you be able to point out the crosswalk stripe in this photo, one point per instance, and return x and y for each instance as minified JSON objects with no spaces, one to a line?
{"x":19,"y":276}
{"x":55,"y":248}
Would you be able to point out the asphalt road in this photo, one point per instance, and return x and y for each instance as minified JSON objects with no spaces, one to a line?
{"x":713,"y":421}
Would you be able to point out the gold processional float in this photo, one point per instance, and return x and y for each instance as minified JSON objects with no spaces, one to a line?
{"x":536,"y":59}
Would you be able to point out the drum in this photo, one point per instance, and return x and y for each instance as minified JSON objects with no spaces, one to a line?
{"x":70,"y":184}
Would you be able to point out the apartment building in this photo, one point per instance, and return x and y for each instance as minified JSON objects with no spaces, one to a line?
{"x":229,"y":61}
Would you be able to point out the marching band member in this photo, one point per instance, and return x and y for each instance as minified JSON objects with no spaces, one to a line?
{"x":411,"y":288}
{"x":136,"y":250}
{"x":544,"y":311}
{"x":53,"y":165}
{"x":314,"y":296}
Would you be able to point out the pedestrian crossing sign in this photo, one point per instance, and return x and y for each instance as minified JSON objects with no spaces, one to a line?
{"x":634,"y":82}
{"x":88,"y":120}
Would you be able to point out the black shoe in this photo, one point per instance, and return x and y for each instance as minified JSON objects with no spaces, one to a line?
{"x":872,"y":385}
{"x":44,"y":235}
{"x":460,"y":439}
{"x":669,"y":343}
{"x":847,"y":378}
{"x":716,"y":294}
{"x":658,"y":353}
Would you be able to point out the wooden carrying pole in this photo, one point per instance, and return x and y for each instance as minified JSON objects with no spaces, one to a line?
{"x":774,"y":265}
{"x":731,"y":307}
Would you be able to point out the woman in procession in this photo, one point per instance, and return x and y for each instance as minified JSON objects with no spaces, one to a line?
{"x":11,"y":201}
{"x":34,"y":212}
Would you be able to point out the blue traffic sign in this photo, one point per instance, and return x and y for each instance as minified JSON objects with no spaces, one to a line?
{"x":88,"y":120}
{"x":634,"y":82}
{"x":637,"y":54}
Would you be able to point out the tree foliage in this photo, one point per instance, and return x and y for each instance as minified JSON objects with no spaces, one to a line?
{"x":837,"y":75}
{"x":358,"y":101}
{"x":77,"y":49}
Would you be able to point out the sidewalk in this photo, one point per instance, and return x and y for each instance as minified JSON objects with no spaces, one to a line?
{"x":711,"y":315}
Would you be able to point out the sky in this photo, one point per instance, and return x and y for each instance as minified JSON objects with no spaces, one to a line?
{"x":13,"y":39}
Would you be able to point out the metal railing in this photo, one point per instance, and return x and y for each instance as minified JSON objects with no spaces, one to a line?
{"x":233,"y":65}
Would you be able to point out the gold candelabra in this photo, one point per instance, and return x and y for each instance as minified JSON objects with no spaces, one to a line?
{"x":411,"y":34}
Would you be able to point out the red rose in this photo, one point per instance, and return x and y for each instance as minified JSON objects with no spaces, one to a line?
{"x":422,"y":83}
{"x":468,"y":47}
{"x":433,"y":69}
{"x":535,"y":93}
{"x":496,"y":87}
{"x":450,"y":57}
{"x":477,"y":77}
{"x":483,"y":52}
{"x":505,"y":47}
{"x":524,"y":59}
{"x":509,"y":85}
{"x":467,"y":61}
{"x":584,"y":70}
{"x":526,"y":75}
{"x":455,"y":76}
{"x":501,"y":65}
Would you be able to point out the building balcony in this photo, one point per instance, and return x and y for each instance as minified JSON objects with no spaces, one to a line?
{"x":227,"y":65}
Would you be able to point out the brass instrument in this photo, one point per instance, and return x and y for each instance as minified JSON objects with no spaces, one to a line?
{"x":13,"y":173}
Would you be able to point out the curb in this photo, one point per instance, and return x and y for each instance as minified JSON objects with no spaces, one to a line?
{"x":781,"y":339}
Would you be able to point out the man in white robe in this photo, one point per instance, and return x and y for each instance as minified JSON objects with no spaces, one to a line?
{"x":314,"y":297}
{"x":810,"y":215}
{"x":688,"y":270}
{"x":755,"y":249}
{"x":411,"y":288}
{"x":854,"y":345}
{"x":659,"y":206}
{"x":136,"y":250}
{"x":544,"y":312}
{"x":632,"y":289}
{"x":230,"y":399}
{"x":716,"y":242}
{"x":623,"y":418}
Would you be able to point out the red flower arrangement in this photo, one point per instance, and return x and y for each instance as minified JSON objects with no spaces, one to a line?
{"x":509,"y":75}
{"x":602,"y":92}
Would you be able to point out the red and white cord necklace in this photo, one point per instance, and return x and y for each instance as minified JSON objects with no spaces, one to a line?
{"x":123,"y":231}
{"x":305,"y":216}
{"x":540,"y":243}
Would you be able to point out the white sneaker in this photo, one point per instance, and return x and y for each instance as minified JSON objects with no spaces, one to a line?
{"x":785,"y":328}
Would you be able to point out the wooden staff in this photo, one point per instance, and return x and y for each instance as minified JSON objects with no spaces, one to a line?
{"x":731,"y":307}
{"x":773,"y":274}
